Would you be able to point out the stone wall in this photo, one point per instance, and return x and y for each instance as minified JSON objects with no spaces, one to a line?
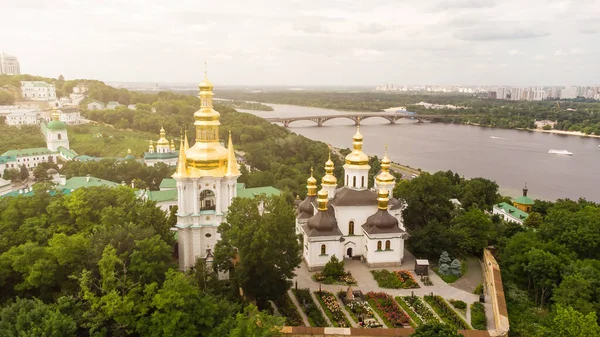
{"x":495,"y":293}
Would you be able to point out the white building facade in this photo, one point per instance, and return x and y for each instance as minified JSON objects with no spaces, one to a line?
{"x":22,"y":117}
{"x":38,"y":91}
{"x":9,"y":65}
{"x":163,"y":152}
{"x":353,"y":221}
{"x":206,"y":177}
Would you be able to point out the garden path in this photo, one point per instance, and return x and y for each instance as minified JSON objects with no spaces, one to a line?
{"x":472,"y":278}
{"x":299,"y":308}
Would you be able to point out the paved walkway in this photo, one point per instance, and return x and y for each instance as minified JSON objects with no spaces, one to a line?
{"x":366,"y":282}
{"x":299,"y":307}
{"x":472,"y":278}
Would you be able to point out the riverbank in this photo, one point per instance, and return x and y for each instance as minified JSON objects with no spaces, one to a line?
{"x":557,"y":132}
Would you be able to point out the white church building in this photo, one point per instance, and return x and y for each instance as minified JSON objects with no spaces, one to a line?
{"x":352,"y":221}
{"x":163,"y":152}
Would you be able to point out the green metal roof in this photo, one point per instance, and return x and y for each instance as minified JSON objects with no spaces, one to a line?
{"x":67,"y":153}
{"x":38,"y":84}
{"x":512,"y":210}
{"x":5,"y":159}
{"x":159,"y":196}
{"x":79,"y":182}
{"x":84,"y":157}
{"x":256,"y":191}
{"x":56,"y":125}
{"x":155,"y":155}
{"x":27,"y":152}
{"x":168,"y":183}
{"x":523,"y":200}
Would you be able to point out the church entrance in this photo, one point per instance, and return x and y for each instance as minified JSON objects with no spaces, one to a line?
{"x":349,"y":252}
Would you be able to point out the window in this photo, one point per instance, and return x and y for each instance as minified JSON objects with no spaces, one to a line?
{"x":387,"y":245}
{"x":351,"y":228}
{"x":207,"y":200}
{"x":362,"y":181}
{"x":323,"y":250}
{"x":354,"y":181}
{"x":378,"y":245}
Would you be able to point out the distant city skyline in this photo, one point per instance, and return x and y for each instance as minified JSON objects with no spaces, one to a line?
{"x":309,"y":42}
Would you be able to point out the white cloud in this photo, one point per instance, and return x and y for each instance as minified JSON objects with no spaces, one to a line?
{"x":306,"y":41}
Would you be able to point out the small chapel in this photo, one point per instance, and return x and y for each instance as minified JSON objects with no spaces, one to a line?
{"x":352,"y":221}
{"x":163,"y":152}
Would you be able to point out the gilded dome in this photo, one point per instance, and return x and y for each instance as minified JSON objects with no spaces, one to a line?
{"x":357,"y":156}
{"x":384,"y":176}
{"x":329,"y":178}
{"x":311,"y":184}
{"x":162,"y":140}
{"x":55,"y":123}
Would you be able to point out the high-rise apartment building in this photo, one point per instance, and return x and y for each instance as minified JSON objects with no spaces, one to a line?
{"x":9,"y":65}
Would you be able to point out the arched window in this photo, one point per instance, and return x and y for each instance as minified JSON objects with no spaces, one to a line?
{"x":59,"y":136}
{"x":354,"y":181}
{"x":323,"y":250}
{"x":378,"y":245}
{"x":362,"y":181}
{"x":207,"y":200}
{"x":351,"y":228}
{"x":387,"y":245}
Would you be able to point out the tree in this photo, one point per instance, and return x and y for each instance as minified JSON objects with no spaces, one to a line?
{"x":435,"y":330}
{"x":11,"y":174}
{"x":427,"y":198}
{"x":40,"y":173}
{"x":444,"y":258}
{"x":455,"y":268}
{"x":479,"y":192}
{"x":334,"y":268}
{"x":31,"y":317}
{"x":254,"y":323}
{"x":569,"y":322}
{"x":265,"y":243}
{"x":23,"y":173}
{"x":471,"y":232}
{"x":534,"y":220}
{"x":575,"y":291}
{"x":543,"y":269}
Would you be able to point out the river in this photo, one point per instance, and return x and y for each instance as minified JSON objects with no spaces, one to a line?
{"x":510,"y":157}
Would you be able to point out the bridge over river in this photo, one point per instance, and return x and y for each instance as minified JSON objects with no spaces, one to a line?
{"x":392,"y":117}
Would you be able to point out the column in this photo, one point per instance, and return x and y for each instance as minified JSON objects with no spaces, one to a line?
{"x":218,"y":197}
{"x":195,"y":195}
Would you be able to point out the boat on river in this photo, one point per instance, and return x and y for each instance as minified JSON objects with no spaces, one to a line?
{"x":560,"y":152}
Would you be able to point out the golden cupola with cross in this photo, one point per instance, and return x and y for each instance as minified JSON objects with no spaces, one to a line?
{"x":207,"y":157}
{"x":385,"y":179}
{"x":357,"y":167}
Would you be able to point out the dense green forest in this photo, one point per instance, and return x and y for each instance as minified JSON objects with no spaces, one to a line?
{"x":550,"y":266}
{"x":99,"y":262}
{"x":571,"y":115}
{"x":245,"y":105}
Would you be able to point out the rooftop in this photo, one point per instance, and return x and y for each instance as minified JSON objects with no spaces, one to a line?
{"x":27,"y":152}
{"x":39,"y":84}
{"x":523,"y":200}
{"x":79,"y":182}
{"x":512,"y":210}
{"x":256,"y":191}
{"x":160,"y":196}
{"x":156,"y":155}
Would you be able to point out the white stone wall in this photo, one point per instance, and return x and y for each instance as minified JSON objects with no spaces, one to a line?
{"x":56,"y":139}
{"x":355,"y":177}
{"x":38,"y":93}
{"x":506,"y":216}
{"x":152,"y":162}
{"x":22,"y":118}
{"x":384,"y":257}
{"x":313,"y":257}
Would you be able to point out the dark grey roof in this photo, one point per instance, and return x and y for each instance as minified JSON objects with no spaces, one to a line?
{"x":322,"y":224}
{"x":305,"y":207}
{"x":350,"y":197}
{"x":396,"y":203}
{"x":382,"y":222}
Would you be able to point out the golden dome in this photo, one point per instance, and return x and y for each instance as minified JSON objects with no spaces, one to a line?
{"x":329,"y":178}
{"x":384,"y":175}
{"x":162,"y":140}
{"x":311,"y":184}
{"x":322,"y":200}
{"x":151,"y":147}
{"x":55,"y":114}
{"x":207,"y":156}
{"x":382,"y":198}
{"x":357,"y":156}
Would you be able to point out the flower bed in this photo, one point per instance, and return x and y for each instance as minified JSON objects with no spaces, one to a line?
{"x":422,"y":310}
{"x":314,"y":314}
{"x":332,"y":309}
{"x":446,"y":312}
{"x":387,"y":309}
{"x":398,"y":279}
{"x":460,"y":306}
{"x":478,"y":319}
{"x":415,"y":320}
{"x":288,"y":310}
{"x":347,"y":278}
{"x":357,"y":307}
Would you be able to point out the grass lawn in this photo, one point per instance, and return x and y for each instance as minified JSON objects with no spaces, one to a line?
{"x":106,"y":141}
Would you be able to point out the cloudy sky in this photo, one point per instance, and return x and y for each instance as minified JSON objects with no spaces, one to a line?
{"x":308,"y":42}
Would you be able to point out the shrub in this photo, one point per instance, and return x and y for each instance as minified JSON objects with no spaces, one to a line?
{"x":455,"y":268}
{"x":446,"y":312}
{"x":289,"y":311}
{"x":478,"y":318}
{"x":479,"y":289}
{"x":444,"y":258}
{"x":458,"y":304}
{"x":398,"y":279}
{"x":334,"y":268}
